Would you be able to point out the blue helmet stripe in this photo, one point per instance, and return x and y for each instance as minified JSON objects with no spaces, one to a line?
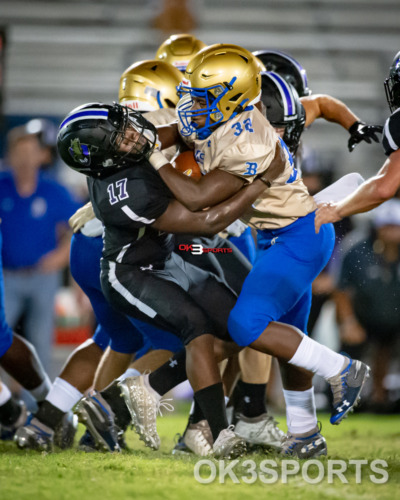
{"x":101,"y":114}
{"x":285,"y":93}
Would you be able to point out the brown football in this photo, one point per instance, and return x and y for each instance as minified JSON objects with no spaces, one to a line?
{"x":186,"y":164}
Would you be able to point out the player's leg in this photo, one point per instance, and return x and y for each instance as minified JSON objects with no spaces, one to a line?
{"x":276,"y":283}
{"x":254,"y":423}
{"x":148,"y":290}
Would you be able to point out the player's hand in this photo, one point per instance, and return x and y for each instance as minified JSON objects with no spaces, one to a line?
{"x":81,"y":216}
{"x":360,"y":131}
{"x":326,"y":212}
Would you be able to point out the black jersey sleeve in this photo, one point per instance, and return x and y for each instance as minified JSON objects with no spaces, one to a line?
{"x":391,"y":133}
{"x":148,"y":201}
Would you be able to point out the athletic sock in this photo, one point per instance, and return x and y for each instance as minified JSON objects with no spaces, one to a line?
{"x":112,"y":394}
{"x":49,"y":415}
{"x":170,"y":374}
{"x":317,"y":358}
{"x":63,"y":395}
{"x":301,"y":414}
{"x":196,"y":415}
{"x":40,"y":392}
{"x":254,"y":396}
{"x":236,"y":398}
{"x":212,"y":403}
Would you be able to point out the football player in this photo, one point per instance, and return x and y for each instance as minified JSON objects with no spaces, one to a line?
{"x":233,"y":142}
{"x":234,"y":268}
{"x":289,"y":115}
{"x":141,"y":276}
{"x":386,"y":182}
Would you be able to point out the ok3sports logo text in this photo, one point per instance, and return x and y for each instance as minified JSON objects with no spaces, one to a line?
{"x":197,"y":249}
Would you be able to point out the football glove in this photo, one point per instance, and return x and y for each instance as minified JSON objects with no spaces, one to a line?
{"x":360,"y":131}
{"x":81,"y":216}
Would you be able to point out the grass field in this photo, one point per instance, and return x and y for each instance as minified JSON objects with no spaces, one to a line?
{"x":145,"y":474}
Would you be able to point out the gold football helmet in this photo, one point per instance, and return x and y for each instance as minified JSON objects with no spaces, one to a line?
{"x":227,"y":77}
{"x":179,"y":49}
{"x":149,"y":85}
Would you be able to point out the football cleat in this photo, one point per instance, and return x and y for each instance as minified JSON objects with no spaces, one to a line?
{"x":346,"y":388}
{"x":87,"y":443}
{"x":143,"y":407}
{"x":262,"y":430}
{"x":96,"y":414}
{"x":7,"y":432}
{"x":310,"y":444}
{"x":64,"y":433}
{"x":196,"y":439}
{"x":228,"y":445}
{"x":35,"y":435}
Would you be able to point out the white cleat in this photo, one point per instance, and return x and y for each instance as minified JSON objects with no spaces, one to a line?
{"x":143,"y":407}
{"x":262,"y":430}
{"x":228,"y":445}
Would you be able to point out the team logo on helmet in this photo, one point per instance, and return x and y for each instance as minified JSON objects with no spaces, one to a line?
{"x":79,"y":152}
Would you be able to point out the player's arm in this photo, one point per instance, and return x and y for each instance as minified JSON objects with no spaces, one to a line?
{"x":214,"y":187}
{"x":369,"y":195}
{"x":178,"y":219}
{"x":334,"y":110}
{"x":329,"y":108}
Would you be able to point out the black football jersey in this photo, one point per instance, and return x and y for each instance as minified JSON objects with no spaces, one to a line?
{"x":391,"y":133}
{"x":127,"y":203}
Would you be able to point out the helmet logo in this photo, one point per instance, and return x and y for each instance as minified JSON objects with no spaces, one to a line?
{"x":79,"y":152}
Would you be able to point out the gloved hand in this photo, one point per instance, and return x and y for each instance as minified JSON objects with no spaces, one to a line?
{"x":81,"y":216}
{"x":360,"y":131}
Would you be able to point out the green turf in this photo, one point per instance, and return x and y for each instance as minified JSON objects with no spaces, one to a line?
{"x":142,"y":473}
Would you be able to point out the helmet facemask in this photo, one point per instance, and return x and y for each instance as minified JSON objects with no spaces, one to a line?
{"x":212,"y":96}
{"x":392,"y":85}
{"x":98,"y":139}
{"x":134,"y":139}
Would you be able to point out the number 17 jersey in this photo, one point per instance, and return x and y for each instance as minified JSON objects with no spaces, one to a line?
{"x":127,"y":203}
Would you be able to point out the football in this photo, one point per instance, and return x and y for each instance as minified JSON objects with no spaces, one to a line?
{"x":187,"y":164}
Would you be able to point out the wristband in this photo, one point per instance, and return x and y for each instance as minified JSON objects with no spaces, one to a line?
{"x":265,"y":181}
{"x":158,"y":160}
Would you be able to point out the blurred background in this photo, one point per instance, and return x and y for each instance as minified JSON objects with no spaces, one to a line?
{"x":58,"y":54}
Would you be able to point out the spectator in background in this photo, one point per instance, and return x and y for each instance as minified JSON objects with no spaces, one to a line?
{"x":175,"y":16}
{"x":367,"y":299}
{"x":34,"y":210}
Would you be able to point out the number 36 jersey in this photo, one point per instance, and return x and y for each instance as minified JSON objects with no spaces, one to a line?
{"x":245,"y":146}
{"x":127,"y":203}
